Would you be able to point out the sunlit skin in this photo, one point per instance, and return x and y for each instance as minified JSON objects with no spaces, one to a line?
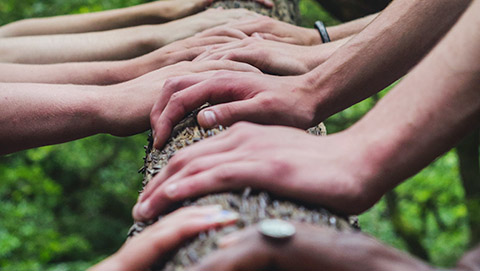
{"x":116,"y":44}
{"x":109,"y":72}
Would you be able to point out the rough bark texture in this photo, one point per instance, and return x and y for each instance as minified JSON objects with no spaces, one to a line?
{"x":347,"y":10}
{"x":253,"y":206}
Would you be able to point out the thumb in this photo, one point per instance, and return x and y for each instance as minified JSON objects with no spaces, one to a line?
{"x":228,"y":113}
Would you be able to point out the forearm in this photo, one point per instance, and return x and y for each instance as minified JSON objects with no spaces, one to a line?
{"x":427,"y":113}
{"x":149,"y":13}
{"x":119,"y":44}
{"x":350,"y":28}
{"x":383,"y":52}
{"x":33,"y":115}
{"x":98,"y":46}
{"x":83,"y":73}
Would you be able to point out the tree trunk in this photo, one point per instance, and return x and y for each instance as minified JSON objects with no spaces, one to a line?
{"x":347,"y":10}
{"x":468,"y":158}
{"x":253,"y":206}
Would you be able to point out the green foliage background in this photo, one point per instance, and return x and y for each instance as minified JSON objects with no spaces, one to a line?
{"x":67,"y":206}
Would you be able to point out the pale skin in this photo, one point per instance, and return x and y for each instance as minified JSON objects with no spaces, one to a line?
{"x":273,"y":57}
{"x":149,"y":13}
{"x":44,"y":114}
{"x":279,"y":48}
{"x":275,"y":30}
{"x":117,"y":44}
{"x":143,"y":250}
{"x":109,"y":72}
{"x":348,"y":76}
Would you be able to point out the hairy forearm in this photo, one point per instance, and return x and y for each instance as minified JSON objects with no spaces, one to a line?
{"x":149,"y":13}
{"x":350,"y":28}
{"x":33,"y":115}
{"x":383,"y":52}
{"x":428,"y":112}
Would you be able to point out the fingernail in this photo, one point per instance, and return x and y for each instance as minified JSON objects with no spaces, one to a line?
{"x":171,"y":190}
{"x":228,"y":240}
{"x":210,"y":118}
{"x":270,"y":3}
{"x":223,"y":217}
{"x":143,"y":209}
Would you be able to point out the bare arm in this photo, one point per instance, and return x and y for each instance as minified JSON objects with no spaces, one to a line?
{"x":380,"y":54}
{"x":348,"y":29}
{"x":383,"y":52}
{"x":116,"y":44}
{"x":107,"y":72}
{"x":33,"y":115}
{"x":149,"y":13}
{"x":424,"y":116}
{"x":427,"y":113}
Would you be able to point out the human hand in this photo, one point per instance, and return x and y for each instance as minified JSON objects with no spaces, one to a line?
{"x":269,"y":29}
{"x":181,"y":50}
{"x":329,"y":171}
{"x":128,"y":105}
{"x":238,"y":96}
{"x":269,"y":56}
{"x":142,"y":251}
{"x":311,"y":248}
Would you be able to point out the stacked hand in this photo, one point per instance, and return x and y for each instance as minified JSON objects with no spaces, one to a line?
{"x":269,"y":29}
{"x":237,"y":96}
{"x":144,"y":250}
{"x":285,"y":161}
{"x":311,"y":248}
{"x":270,"y":56}
{"x":130,"y":103}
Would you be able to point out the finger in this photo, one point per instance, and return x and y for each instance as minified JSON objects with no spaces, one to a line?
{"x":180,"y":101}
{"x":143,"y":250}
{"x":224,"y":177}
{"x":267,"y":3}
{"x":209,"y":146}
{"x":227,"y":114}
{"x":272,"y":37}
{"x":230,"y":65}
{"x":170,"y":87}
{"x":223,"y":31}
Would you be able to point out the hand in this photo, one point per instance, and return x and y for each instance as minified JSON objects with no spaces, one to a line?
{"x":129,"y":104}
{"x":181,"y":50}
{"x":238,"y":96}
{"x":312,"y":248}
{"x":269,"y":29}
{"x":269,"y":56}
{"x":142,"y":251}
{"x":288,"y":162}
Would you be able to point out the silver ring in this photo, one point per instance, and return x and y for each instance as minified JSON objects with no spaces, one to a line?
{"x":276,"y":229}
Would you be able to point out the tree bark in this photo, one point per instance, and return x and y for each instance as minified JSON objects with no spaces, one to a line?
{"x":468,"y":159}
{"x":347,"y":10}
{"x":253,"y":206}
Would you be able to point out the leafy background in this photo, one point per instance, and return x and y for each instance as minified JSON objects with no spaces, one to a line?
{"x":66,"y":207}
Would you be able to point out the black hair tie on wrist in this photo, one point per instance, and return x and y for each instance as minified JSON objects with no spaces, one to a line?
{"x":323,"y":31}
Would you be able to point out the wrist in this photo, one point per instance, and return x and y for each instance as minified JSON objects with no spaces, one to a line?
{"x":313,"y":36}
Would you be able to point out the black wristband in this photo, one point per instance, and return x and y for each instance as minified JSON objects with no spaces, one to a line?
{"x":323,"y":31}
